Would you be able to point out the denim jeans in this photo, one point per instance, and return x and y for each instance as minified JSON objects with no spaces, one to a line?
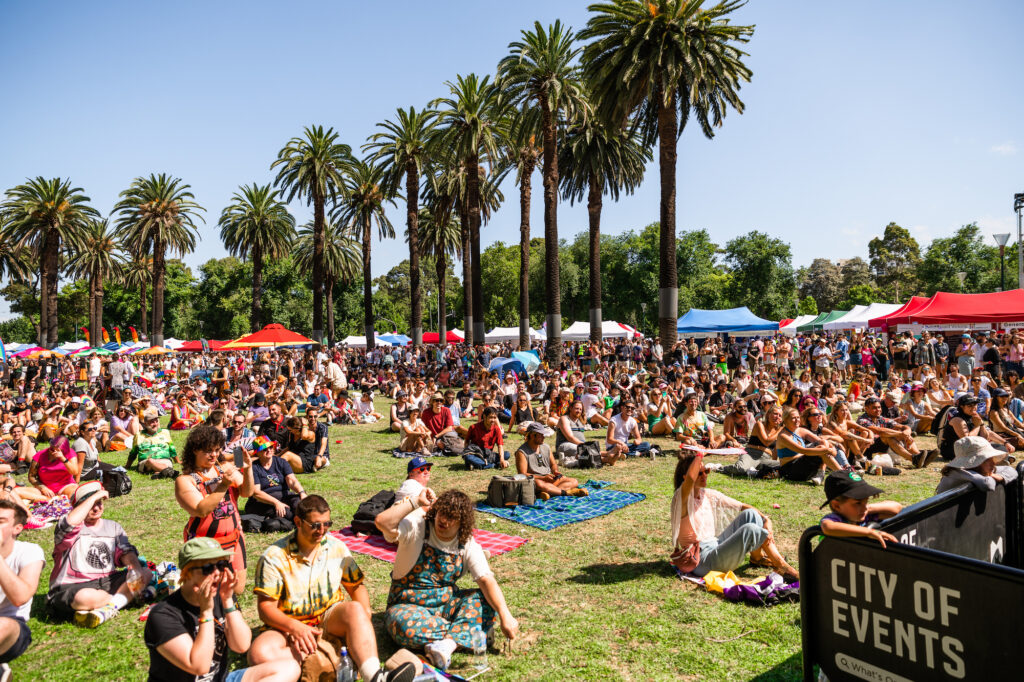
{"x":476,"y":462}
{"x":727,"y":552}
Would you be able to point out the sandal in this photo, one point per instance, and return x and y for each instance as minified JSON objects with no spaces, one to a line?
{"x":763,"y":562}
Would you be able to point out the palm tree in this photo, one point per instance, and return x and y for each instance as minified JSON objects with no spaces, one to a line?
{"x":313,"y":167}
{"x":15,"y":262}
{"x":97,"y":257}
{"x":158,"y":211}
{"x":470,"y":127}
{"x":341,"y":262}
{"x":403,"y":150}
{"x":595,"y":160}
{"x":137,"y":273}
{"x":540,"y":72}
{"x":257,"y":225}
{"x":364,"y":206}
{"x":665,"y":60}
{"x":442,"y":240}
{"x":524,"y":141}
{"x":44,"y":217}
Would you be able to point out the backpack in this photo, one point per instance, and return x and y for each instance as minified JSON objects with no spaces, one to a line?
{"x":116,"y":481}
{"x":510,"y":491}
{"x":366,"y":514}
{"x":588,"y":455}
{"x":937,"y":422}
{"x":453,"y":445}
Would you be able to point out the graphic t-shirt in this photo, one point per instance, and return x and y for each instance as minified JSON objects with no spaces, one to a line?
{"x":173,"y":617}
{"x":83,"y":553}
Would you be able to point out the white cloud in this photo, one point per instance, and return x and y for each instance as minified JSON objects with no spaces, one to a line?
{"x":1004,"y":149}
{"x":922,"y":233}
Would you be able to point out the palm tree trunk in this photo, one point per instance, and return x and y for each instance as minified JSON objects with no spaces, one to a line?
{"x":594,"y":214}
{"x":319,"y":235}
{"x":552,"y":284}
{"x":525,"y":193}
{"x":142,"y":307}
{"x":668,"y":283}
{"x":467,"y":277}
{"x":52,"y":270}
{"x":99,"y":299}
{"x":412,"y":190}
{"x":473,"y":191}
{"x":257,"y":289}
{"x":94,"y":325}
{"x":43,"y":302}
{"x":367,"y":293}
{"x":158,"y":293}
{"x":442,"y":305}
{"x":329,"y":296}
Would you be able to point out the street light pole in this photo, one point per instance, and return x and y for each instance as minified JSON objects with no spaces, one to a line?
{"x":1018,"y":206}
{"x":1001,"y":240}
{"x":961,"y":276}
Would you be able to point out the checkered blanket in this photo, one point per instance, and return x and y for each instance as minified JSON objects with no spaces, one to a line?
{"x":559,"y":511}
{"x":379,"y":548}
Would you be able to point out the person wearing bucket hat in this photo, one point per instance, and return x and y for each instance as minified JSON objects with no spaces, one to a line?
{"x":87,"y":551}
{"x":978,"y":463}
{"x":189,"y":633}
{"x":847,"y":494}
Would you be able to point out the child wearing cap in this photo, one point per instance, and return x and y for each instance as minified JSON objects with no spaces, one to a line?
{"x":847,"y":496}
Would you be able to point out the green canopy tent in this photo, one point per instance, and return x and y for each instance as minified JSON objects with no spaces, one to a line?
{"x":805,"y":328}
{"x":818,"y":325}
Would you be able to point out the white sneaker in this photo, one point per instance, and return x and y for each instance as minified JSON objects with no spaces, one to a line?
{"x":440,"y":653}
{"x":817,"y":479}
{"x":5,"y":672}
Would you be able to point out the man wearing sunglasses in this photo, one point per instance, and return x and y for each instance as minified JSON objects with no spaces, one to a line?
{"x":189,"y":633}
{"x":309,"y":587}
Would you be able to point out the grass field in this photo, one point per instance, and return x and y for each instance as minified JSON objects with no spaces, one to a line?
{"x":595,"y":600}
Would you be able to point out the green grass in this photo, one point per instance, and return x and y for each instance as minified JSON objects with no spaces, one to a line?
{"x":595,"y":600}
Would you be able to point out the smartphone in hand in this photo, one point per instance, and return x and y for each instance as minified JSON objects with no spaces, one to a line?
{"x":239,"y":453}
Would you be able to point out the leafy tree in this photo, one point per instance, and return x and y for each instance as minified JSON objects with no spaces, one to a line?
{"x":965,"y":251}
{"x":762,"y":274}
{"x":43,"y":216}
{"x":860,"y":294}
{"x":403,"y":150}
{"x":341,"y":262}
{"x":158,"y":211}
{"x":541,"y":71}
{"x":256,"y":225}
{"x":137,"y":273}
{"x":524,"y":150}
{"x":666,"y":60}
{"x":364,"y":207}
{"x":808,"y":306}
{"x":17,"y":330}
{"x":96,"y":258}
{"x":313,"y":167}
{"x":894,"y":259}
{"x":855,"y":271}
{"x":823,"y":282}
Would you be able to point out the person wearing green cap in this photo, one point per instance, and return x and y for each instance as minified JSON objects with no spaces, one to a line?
{"x":189,"y":633}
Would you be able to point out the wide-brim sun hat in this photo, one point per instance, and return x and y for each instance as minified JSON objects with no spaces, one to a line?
{"x":972,"y":451}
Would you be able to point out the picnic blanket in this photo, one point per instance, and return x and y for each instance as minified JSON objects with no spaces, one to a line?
{"x":379,"y":548}
{"x":559,"y":511}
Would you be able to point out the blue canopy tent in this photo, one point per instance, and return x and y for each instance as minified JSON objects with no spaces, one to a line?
{"x":529,"y":358}
{"x":503,"y":365}
{"x":732,"y":321}
{"x":395,"y":339}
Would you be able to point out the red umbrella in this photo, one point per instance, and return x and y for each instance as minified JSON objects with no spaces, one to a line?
{"x":272,"y":335}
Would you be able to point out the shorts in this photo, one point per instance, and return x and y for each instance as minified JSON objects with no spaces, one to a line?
{"x":20,"y":644}
{"x":801,"y":468}
{"x":840,"y":364}
{"x":59,"y":598}
{"x":308,"y":462}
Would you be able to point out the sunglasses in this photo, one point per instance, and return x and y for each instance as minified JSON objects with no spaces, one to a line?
{"x":241,"y":423}
{"x":221,"y":565}
{"x":815,"y":414}
{"x":318,"y":525}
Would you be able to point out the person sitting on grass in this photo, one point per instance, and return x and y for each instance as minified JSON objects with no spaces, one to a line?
{"x":693,"y":426}
{"x":438,"y":419}
{"x":418,"y":476}
{"x":415,"y":434}
{"x":847,"y":496}
{"x":623,"y":437}
{"x":153,"y":448}
{"x":426,"y":609}
{"x":19,"y":578}
{"x":276,"y":490}
{"x":533,"y":458}
{"x":967,"y":422}
{"x":399,"y":411}
{"x":308,"y":585}
{"x":889,"y":435}
{"x":184,"y":415}
{"x":54,"y":470}
{"x":301,"y":452}
{"x":701,"y":542}
{"x":977,"y":463}
{"x":486,"y":434}
{"x":189,"y":633}
{"x":85,"y":582}
{"x":802,"y":455}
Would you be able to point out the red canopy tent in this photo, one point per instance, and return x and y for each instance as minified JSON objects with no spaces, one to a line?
{"x":899,"y":317}
{"x":272,"y":335}
{"x":450,"y":337}
{"x":946,"y":308}
{"x":197,"y":346}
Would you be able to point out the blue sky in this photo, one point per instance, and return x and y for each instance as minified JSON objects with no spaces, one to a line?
{"x":858,"y":113}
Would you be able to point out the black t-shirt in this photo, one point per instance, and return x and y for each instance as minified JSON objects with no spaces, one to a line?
{"x":271,"y":479}
{"x":275,"y":432}
{"x":175,"y":616}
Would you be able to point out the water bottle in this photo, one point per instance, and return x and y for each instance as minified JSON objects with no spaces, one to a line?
{"x":478,"y":657}
{"x":134,"y":580}
{"x":346,"y":670}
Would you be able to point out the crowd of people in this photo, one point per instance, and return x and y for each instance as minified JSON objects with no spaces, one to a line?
{"x":824,"y":409}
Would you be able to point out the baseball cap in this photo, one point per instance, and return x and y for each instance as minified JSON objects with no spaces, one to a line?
{"x":418,"y":462}
{"x":401,"y":394}
{"x":437,"y":396}
{"x":848,"y":484}
{"x":967,"y":399}
{"x":201,"y":549}
{"x":85,"y":490}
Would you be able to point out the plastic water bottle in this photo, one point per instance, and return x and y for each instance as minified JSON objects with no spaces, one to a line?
{"x":479,"y":654}
{"x":346,"y":670}
{"x":134,"y":580}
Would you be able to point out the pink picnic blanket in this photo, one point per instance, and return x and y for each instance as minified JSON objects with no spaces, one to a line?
{"x":379,"y":548}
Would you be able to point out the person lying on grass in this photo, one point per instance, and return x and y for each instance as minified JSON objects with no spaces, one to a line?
{"x":533,"y":458}
{"x":85,"y":582}
{"x":426,"y":609}
{"x":702,"y":541}
{"x":847,"y":496}
{"x":309,"y":586}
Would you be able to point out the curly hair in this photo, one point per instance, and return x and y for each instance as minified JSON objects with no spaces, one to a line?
{"x":202,"y":438}
{"x":457,"y":506}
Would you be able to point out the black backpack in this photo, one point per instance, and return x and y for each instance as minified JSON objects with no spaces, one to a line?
{"x":116,"y":481}
{"x":366,"y":514}
{"x":588,"y":455}
{"x":937,"y":422}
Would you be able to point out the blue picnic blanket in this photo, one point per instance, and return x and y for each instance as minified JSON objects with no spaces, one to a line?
{"x":559,"y":511}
